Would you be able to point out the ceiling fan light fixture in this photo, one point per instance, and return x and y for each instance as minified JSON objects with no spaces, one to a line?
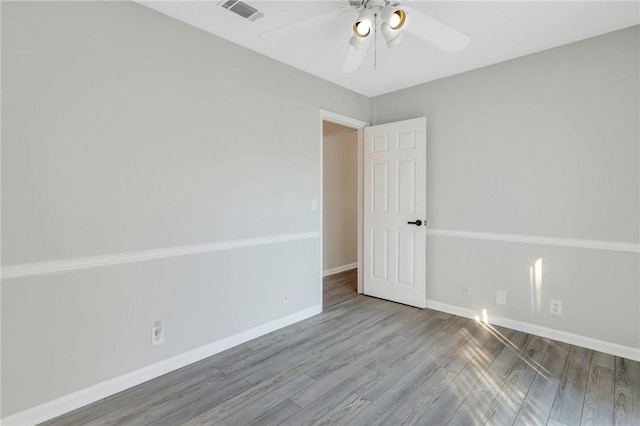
{"x":358,"y":42}
{"x":364,"y":24}
{"x":391,"y":36}
{"x":394,"y":17}
{"x":361,"y":29}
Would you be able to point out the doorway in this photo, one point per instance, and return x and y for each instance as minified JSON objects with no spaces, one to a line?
{"x":340,"y":218}
{"x":340,"y":213}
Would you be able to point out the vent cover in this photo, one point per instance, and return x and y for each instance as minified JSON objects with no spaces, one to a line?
{"x":243,"y":9}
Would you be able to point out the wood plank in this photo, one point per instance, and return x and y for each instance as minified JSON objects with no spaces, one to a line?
{"x":421,"y":325}
{"x":461,"y":344}
{"x":380,"y":409}
{"x":552,"y":422}
{"x":332,"y":316}
{"x":536,"y":407}
{"x":448,"y":401}
{"x":339,"y":288}
{"x":350,"y":275}
{"x":283,"y":365}
{"x":243,"y":400}
{"x":354,"y":347}
{"x":414,"y":405}
{"x":477,"y":402}
{"x":144,"y":394}
{"x":230,"y":355}
{"x":409,"y":409}
{"x":376,"y":412}
{"x":599,"y":397}
{"x":374,"y":388}
{"x":567,"y":406}
{"x":627,"y":392}
{"x":338,"y":299}
{"x":166,"y":380}
{"x":341,"y":330}
{"x":334,"y":370}
{"x":326,"y":402}
{"x":348,"y":283}
{"x":250,"y":359}
{"x":338,"y":345}
{"x":411,"y":348}
{"x":337,"y":292}
{"x":345,"y":412}
{"x":147,"y":410}
{"x":64,"y":419}
{"x":270,"y":400}
{"x":287,"y":337}
{"x":183,"y":411}
{"x":504,"y":408}
{"x":277,"y":414}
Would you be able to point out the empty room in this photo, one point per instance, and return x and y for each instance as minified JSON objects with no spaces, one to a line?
{"x":361,"y":212}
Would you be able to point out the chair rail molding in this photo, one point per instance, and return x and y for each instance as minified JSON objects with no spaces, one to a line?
{"x":539,"y":240}
{"x":66,"y":265}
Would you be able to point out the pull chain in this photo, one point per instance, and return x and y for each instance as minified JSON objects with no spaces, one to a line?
{"x":375,"y":42}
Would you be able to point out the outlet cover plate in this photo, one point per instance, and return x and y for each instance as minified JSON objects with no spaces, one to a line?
{"x":501,"y":297}
{"x":466,"y":290}
{"x":157,"y":334}
{"x":555,"y":308}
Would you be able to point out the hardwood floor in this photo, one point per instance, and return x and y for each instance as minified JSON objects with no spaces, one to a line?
{"x":339,"y":287}
{"x":365,"y":361}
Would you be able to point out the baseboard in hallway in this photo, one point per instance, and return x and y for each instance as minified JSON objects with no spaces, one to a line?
{"x":338,"y":269}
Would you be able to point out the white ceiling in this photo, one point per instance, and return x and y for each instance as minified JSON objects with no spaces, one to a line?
{"x":499,"y":31}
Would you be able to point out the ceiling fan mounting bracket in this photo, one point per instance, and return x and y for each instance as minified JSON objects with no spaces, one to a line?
{"x":375,"y":5}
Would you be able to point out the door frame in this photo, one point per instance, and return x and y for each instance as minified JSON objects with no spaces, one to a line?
{"x":359,"y":125}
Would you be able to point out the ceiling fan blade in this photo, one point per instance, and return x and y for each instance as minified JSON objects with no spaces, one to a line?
{"x":435,"y":32}
{"x":354,"y":58}
{"x":304,"y":24}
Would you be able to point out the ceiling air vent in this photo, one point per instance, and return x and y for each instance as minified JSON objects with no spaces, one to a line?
{"x":243,"y":9}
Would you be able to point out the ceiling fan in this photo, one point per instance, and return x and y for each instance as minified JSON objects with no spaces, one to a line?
{"x":391,"y":17}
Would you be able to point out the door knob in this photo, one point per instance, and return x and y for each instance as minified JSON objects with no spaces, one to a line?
{"x":416,"y":223}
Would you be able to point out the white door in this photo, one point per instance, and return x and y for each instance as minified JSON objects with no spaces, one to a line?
{"x":395,"y":186}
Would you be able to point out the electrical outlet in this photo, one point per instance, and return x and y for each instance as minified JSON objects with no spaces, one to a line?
{"x":501,"y":297}
{"x":157,"y":333}
{"x":466,"y":290}
{"x":285,"y":299}
{"x":556,"y":307}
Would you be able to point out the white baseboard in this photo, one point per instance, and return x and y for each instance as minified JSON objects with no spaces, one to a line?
{"x":549,"y":333}
{"x":339,"y":269}
{"x":67,"y":403}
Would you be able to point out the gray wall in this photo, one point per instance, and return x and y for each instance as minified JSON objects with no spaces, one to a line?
{"x":340,"y":200}
{"x":544,"y":145}
{"x":125,"y":130}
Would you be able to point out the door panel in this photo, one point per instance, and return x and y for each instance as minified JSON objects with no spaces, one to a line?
{"x":406,"y":186}
{"x":395,"y":161}
{"x":380,"y":187}
{"x":379,"y":253}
